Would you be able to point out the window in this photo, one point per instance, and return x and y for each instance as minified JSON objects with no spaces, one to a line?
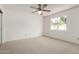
{"x":58,"y":23}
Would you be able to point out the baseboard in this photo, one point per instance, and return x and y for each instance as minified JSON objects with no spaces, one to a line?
{"x":61,"y":40}
{"x":22,"y":38}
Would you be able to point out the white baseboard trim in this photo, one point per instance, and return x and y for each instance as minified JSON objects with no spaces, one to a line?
{"x":61,"y":40}
{"x":21,"y":39}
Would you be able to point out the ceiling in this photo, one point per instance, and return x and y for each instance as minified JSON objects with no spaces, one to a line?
{"x":26,"y":7}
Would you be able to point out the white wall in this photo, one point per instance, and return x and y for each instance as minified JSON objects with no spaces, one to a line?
{"x":72,"y":32}
{"x":20,"y":25}
{"x":0,"y":29}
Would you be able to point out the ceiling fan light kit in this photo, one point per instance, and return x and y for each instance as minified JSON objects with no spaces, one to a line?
{"x":40,"y":9}
{"x":39,"y":12}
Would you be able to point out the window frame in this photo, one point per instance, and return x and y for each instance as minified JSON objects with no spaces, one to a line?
{"x":57,"y":24}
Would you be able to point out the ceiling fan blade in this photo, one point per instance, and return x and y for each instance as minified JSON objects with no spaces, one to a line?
{"x":33,"y":7}
{"x":35,"y":11}
{"x":39,"y":4}
{"x":47,"y":10}
{"x":44,"y":5}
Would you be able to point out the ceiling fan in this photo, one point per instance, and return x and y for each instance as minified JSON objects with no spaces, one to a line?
{"x":40,"y":9}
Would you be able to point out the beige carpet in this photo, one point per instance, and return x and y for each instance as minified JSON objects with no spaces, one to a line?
{"x":39,"y":45}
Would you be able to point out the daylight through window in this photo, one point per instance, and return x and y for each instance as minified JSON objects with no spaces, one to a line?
{"x":58,"y":23}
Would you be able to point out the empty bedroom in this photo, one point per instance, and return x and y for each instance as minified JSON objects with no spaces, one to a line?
{"x":39,"y":28}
